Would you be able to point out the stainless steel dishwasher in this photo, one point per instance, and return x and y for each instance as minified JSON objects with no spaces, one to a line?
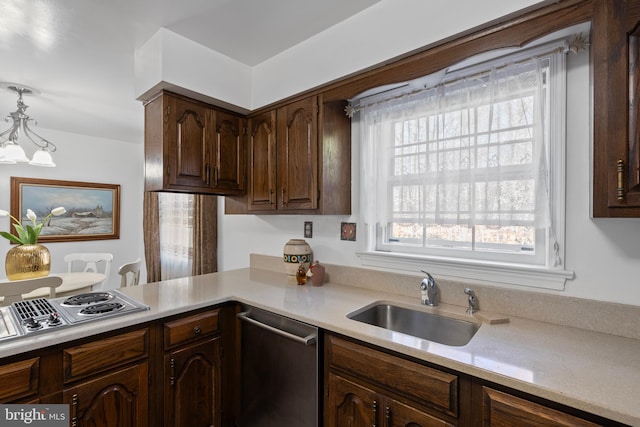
{"x":279,"y":369}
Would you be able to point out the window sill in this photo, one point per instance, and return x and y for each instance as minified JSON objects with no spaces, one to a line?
{"x":467,"y":271}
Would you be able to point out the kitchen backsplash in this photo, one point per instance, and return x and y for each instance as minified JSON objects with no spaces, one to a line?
{"x":605,"y":317}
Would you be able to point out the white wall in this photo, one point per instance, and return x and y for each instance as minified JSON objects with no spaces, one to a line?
{"x":89,"y":159}
{"x":603,"y":253}
{"x":385,"y":30}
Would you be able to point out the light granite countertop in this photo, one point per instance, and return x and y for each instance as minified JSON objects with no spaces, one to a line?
{"x":591,"y":371}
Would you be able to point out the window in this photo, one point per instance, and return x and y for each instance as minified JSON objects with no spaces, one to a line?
{"x":469,"y":171}
{"x":175,"y":212}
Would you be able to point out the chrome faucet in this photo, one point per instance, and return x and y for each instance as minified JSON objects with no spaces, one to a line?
{"x":473,"y":303}
{"x":429,"y":290}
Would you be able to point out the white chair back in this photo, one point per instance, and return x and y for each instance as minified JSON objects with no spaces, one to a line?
{"x":89,"y":261}
{"x":132,"y":270}
{"x":12,"y":291}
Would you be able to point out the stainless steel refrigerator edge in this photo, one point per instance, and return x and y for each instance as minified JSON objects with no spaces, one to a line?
{"x":279,"y":371}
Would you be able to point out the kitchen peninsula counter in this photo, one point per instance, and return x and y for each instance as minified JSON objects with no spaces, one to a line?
{"x":591,"y":371}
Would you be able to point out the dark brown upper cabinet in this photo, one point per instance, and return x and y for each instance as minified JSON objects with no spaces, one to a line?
{"x":616,"y":137}
{"x":300,"y":151}
{"x":193,"y":147}
{"x":299,"y":160}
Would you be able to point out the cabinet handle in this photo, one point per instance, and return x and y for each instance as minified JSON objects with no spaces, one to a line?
{"x":207,"y":173}
{"x":387,"y":416}
{"x":282,"y":199}
{"x":375,"y":413}
{"x":74,"y":410}
{"x":271,"y":196}
{"x":620,"y":171}
{"x":172,"y":365}
{"x":197,"y":330}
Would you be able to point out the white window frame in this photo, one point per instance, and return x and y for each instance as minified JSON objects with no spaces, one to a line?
{"x":498,"y":271}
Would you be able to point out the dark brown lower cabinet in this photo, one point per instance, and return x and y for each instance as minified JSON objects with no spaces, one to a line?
{"x":163,"y":373}
{"x":368,"y":387}
{"x":117,"y":399}
{"x":181,"y":371}
{"x":192,"y":394}
{"x":352,"y":404}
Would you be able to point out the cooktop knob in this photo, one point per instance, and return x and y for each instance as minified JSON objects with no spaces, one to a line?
{"x":32,"y":324}
{"x":53,"y":319}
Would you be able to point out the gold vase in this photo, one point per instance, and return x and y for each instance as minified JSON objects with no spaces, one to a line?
{"x":27,"y":262}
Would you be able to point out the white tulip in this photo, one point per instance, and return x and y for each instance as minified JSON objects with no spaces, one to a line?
{"x":31,"y":215}
{"x":59,"y":211}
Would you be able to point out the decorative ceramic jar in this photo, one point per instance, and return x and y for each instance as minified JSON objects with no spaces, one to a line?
{"x":296,"y":252}
{"x":27,"y":262}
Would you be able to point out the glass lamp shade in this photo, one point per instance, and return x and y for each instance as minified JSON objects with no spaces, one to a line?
{"x":3,"y":159}
{"x":42,"y":158}
{"x":13,"y":152}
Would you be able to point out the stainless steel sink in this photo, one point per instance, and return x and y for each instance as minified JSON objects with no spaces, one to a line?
{"x":428,"y":326}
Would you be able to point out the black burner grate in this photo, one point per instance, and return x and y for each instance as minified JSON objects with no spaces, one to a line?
{"x":32,"y":309}
{"x":102,"y":308}
{"x":88,"y":298}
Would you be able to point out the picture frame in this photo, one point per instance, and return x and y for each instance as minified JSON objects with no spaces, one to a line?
{"x":93,"y":209}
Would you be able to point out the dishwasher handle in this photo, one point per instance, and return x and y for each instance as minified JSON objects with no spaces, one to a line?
{"x":308,"y":340}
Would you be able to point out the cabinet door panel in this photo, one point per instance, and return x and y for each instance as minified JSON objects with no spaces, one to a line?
{"x":19,"y":379}
{"x":187,"y":129}
{"x":119,"y":399}
{"x":398,"y":414}
{"x":298,"y":154}
{"x":229,"y":154}
{"x":192,"y":390}
{"x":262,"y":162}
{"x":105,"y":354}
{"x":350,"y":404}
{"x":615,"y":51}
{"x":437,"y":389}
{"x":504,"y":410}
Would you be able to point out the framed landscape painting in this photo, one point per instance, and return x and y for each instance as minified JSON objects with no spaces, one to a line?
{"x":93,"y":210}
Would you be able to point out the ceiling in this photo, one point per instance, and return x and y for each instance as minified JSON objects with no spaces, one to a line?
{"x":79,"y":54}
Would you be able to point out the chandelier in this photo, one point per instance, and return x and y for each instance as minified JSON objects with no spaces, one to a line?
{"x":10,"y":151}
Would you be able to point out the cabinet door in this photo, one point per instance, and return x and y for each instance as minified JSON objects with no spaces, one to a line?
{"x":298,"y":155}
{"x":616,"y":91}
{"x":228,"y":173}
{"x":189,"y":150}
{"x":192,"y":385}
{"x":350,"y":404}
{"x":397,"y":414}
{"x":118,"y":399}
{"x":262,"y":162}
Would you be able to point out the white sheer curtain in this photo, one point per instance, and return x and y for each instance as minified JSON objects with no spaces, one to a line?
{"x":470,"y":152}
{"x":176,"y":234}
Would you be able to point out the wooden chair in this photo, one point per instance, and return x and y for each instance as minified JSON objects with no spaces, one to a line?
{"x":12,"y":291}
{"x":89,"y":261}
{"x":134,"y":269}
